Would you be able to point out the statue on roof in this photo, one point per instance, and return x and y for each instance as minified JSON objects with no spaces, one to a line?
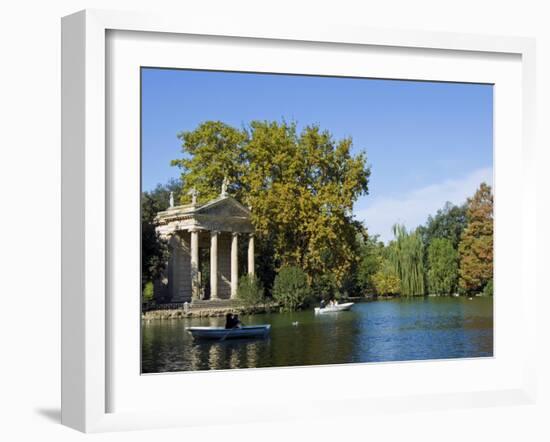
{"x":171,"y":199}
{"x":193,"y":192}
{"x":225,"y":183}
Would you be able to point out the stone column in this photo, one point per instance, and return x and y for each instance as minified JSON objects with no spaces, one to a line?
{"x":195,"y":286}
{"x":214,"y":264}
{"x":234,"y":264}
{"x":251,"y":254}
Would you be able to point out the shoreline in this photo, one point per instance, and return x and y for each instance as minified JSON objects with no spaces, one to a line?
{"x":213,"y":312}
{"x":207,"y":312}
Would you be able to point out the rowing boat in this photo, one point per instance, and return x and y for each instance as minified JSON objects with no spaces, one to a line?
{"x":221,"y":333}
{"x":334,"y":308}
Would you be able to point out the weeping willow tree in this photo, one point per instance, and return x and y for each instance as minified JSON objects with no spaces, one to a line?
{"x":406,"y":252}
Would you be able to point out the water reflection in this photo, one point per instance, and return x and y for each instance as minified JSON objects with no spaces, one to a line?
{"x":395,"y":330}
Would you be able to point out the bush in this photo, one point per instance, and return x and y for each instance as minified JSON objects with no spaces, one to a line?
{"x":488,"y":289}
{"x":290,"y":288}
{"x":250,"y":291}
{"x":148,"y":292}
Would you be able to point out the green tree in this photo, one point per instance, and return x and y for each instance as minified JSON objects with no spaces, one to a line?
{"x":370,"y":263}
{"x":476,"y":244}
{"x":250,"y":291}
{"x":406,"y":253}
{"x":291,"y":289}
{"x":442,"y":267}
{"x":154,"y":254}
{"x":214,"y":151}
{"x":449,"y":223}
{"x":154,"y":250}
{"x":158,"y":199}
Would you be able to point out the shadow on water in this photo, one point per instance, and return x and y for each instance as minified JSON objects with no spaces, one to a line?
{"x":392,"y":330}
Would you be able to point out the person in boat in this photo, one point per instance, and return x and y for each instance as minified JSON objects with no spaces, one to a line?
{"x":236,"y":322}
{"x":323,"y":304}
{"x":229,"y":320}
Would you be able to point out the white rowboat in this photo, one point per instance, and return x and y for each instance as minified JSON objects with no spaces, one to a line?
{"x":222,"y":333}
{"x":333,"y":308}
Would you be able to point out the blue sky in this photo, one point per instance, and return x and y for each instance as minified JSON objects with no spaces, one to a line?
{"x":427,"y":142}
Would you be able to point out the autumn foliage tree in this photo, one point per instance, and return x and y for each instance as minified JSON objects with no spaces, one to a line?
{"x":476,"y":244}
{"x":302,"y":187}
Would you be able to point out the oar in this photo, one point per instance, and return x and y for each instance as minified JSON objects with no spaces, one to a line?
{"x":225,"y":336}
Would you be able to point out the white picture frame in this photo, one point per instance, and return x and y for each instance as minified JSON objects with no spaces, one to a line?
{"x":86,"y":315}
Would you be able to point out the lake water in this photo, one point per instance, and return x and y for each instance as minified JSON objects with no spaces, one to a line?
{"x":390,"y":330}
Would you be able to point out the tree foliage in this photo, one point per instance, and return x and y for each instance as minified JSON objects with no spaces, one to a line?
{"x":212,"y":152}
{"x":488,"y":289}
{"x":406,"y":253}
{"x":154,"y":254}
{"x":442,"y":267}
{"x":158,"y":199}
{"x":385,"y":280}
{"x":370,"y":263}
{"x":148,"y":292}
{"x":324,"y":286}
{"x":476,"y":244}
{"x":291,"y":289}
{"x":449,"y":223}
{"x":154,"y":250}
{"x":301,"y":187}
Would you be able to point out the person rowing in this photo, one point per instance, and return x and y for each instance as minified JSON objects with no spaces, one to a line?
{"x":236,"y":322}
{"x":232,"y":321}
{"x":228,"y":320}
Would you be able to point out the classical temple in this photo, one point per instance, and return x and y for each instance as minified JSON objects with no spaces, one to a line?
{"x":204,"y":241}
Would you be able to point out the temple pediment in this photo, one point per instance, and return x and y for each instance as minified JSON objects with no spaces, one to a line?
{"x":223,"y":207}
{"x":223,"y":214}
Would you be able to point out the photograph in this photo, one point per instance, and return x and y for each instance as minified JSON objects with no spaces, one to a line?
{"x":282,"y":220}
{"x":292,"y":220}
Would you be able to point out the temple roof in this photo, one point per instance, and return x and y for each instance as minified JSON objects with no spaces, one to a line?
{"x":223,"y":214}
